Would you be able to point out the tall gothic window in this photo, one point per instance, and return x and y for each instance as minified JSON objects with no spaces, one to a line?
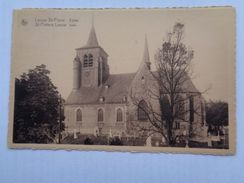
{"x":165,"y":105}
{"x":191,"y":106}
{"x":142,"y":111}
{"x":202,"y":113}
{"x":100,"y":115}
{"x":180,"y":110}
{"x":88,"y":60}
{"x":79,"y":115}
{"x":119,"y":115}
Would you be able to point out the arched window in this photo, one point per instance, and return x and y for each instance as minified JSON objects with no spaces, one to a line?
{"x":79,"y":115}
{"x":202,"y":113}
{"x":100,"y":115}
{"x":85,"y":61}
{"x":165,"y":105}
{"x":119,"y":115}
{"x":180,"y":110}
{"x":142,"y":111}
{"x":191,"y":106}
{"x":90,"y":60}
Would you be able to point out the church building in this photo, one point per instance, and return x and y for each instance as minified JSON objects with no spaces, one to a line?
{"x":101,"y":103}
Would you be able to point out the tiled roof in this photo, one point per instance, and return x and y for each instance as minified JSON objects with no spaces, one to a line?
{"x":118,"y":85}
{"x":188,"y":85}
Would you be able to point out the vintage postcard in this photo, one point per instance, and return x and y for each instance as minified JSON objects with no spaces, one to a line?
{"x":137,"y":80}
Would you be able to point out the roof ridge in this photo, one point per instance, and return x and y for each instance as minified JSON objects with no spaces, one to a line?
{"x":123,"y":73}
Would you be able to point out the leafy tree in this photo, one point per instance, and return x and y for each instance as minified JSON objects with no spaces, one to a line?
{"x":38,"y":108}
{"x":217,"y":113}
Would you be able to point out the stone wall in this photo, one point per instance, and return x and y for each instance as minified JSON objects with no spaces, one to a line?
{"x":90,"y":124}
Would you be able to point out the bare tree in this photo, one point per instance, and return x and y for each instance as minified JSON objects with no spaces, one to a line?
{"x":173,"y":71}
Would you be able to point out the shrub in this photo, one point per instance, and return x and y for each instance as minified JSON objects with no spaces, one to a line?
{"x":88,"y":141}
{"x":116,"y":141}
{"x":198,"y":144}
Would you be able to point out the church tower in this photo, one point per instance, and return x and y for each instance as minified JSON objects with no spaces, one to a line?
{"x":90,"y":67}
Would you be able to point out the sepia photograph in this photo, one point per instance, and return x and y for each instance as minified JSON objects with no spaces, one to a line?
{"x":135,"y":80}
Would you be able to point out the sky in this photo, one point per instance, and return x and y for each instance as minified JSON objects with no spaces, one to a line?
{"x":42,"y":39}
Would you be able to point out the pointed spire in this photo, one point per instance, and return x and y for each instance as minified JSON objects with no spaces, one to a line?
{"x":146,"y":57}
{"x":92,"y":40}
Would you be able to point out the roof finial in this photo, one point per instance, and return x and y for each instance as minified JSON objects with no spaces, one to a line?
{"x":92,"y":40}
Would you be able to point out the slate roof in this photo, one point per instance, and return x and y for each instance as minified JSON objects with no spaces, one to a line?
{"x":190,"y":87}
{"x":188,"y":84}
{"x":118,"y":85}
